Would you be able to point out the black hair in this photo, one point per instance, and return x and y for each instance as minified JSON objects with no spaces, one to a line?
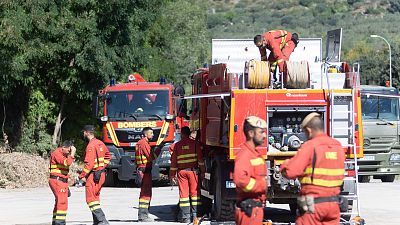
{"x":186,"y":131}
{"x":257,"y":39}
{"x":67,"y":144}
{"x":144,"y":131}
{"x":246,"y":128}
{"x":295,"y":38}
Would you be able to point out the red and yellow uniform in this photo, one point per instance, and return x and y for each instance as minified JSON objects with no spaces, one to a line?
{"x":144,"y":158}
{"x":58,"y":181}
{"x":249,"y":177}
{"x":187,"y":160}
{"x":280,"y":43}
{"x":97,"y":158}
{"x":322,"y":181}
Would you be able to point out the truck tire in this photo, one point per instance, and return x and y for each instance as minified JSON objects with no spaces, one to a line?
{"x":223,"y":210}
{"x":364,"y":178}
{"x":388,"y":178}
{"x":110,"y":180}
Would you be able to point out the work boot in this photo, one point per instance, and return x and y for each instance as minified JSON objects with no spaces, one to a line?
{"x":148,"y":219}
{"x":143,"y":215}
{"x":99,"y":218}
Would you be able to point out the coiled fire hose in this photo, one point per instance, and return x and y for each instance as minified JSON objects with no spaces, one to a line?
{"x":297,"y":75}
{"x":258,"y":74}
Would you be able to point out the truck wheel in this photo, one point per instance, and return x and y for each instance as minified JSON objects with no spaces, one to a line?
{"x":223,"y":210}
{"x":364,"y":179}
{"x":293,"y":208}
{"x":388,"y":178}
{"x":110,"y":180}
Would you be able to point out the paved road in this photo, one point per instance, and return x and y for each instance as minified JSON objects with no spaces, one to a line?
{"x":380,"y":205}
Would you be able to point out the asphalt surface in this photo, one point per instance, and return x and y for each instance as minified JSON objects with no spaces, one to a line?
{"x":380,"y":205}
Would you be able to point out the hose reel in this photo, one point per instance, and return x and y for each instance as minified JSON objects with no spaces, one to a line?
{"x":258,"y":74}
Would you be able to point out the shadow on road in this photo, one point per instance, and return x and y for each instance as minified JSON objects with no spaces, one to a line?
{"x":166,"y":213}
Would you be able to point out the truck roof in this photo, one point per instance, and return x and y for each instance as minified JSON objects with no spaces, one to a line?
{"x":138,"y":86}
{"x":378,"y":89}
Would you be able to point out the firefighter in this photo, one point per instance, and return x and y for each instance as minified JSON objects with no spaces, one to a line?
{"x":60,"y":160}
{"x":186,"y":164}
{"x":250,"y":174}
{"x":96,"y":160}
{"x":319,"y":164}
{"x":144,"y":156}
{"x":281,"y":43}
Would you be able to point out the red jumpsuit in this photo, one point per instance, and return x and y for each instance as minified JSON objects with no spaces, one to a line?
{"x":249,"y":176}
{"x":97,"y":157}
{"x":144,"y":158}
{"x":326,"y":180}
{"x":280,"y":43}
{"x":187,"y":158}
{"x":58,"y":181}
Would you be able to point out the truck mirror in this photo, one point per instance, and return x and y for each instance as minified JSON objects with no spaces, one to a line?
{"x":95,"y":105}
{"x":179,"y":91}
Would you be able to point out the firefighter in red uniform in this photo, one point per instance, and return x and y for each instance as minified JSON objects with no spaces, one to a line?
{"x":250,"y":174}
{"x":281,"y":43}
{"x":97,"y":157}
{"x":144,"y":156}
{"x":60,"y":160}
{"x":319,"y":164}
{"x":186,"y":161}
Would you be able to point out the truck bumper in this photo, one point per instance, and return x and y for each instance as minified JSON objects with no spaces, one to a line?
{"x":377,"y":164}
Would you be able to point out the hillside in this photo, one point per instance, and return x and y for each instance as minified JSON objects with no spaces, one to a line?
{"x":359,"y":19}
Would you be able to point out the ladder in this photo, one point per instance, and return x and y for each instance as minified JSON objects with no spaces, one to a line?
{"x":342,"y":128}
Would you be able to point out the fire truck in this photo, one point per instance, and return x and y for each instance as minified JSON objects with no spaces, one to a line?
{"x":125,"y":109}
{"x":223,"y":95}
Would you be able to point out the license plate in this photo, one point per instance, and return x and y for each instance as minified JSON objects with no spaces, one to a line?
{"x":368,"y":157}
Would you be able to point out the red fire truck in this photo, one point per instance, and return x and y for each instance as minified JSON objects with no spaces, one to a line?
{"x":126,"y":108}
{"x":221,"y":100}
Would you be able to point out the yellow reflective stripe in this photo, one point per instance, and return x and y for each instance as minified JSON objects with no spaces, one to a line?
{"x":321,"y":182}
{"x":195,"y":197}
{"x":186,"y":161}
{"x":187,"y":156}
{"x":61,"y":212}
{"x":106,"y":161}
{"x":184,"y":204}
{"x":112,"y":133}
{"x":93,"y":203}
{"x":65,"y":162}
{"x":196,"y":203}
{"x":63,"y":172}
{"x":257,"y":161}
{"x":184,"y":199}
{"x":323,"y":171}
{"x":173,"y":168}
{"x":143,"y":206}
{"x":61,"y":217}
{"x":86,"y":170}
{"x":58,"y":166}
{"x":279,"y":60}
{"x":250,"y":185}
{"x":144,"y":200}
{"x":95,"y":207}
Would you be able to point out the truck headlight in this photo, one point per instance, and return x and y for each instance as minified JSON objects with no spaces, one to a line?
{"x":104,"y":118}
{"x":395,"y":157}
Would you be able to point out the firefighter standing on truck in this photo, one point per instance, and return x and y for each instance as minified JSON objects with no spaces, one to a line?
{"x":60,"y":161}
{"x":186,"y":164}
{"x":97,"y":157}
{"x":250,"y":174}
{"x":144,"y":156}
{"x":281,"y":43}
{"x":319,"y":164}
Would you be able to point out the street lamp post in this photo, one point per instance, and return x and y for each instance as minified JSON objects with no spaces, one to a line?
{"x":390,"y":57}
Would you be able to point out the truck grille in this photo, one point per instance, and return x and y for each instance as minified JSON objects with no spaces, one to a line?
{"x":131,"y":135}
{"x":378,"y":144}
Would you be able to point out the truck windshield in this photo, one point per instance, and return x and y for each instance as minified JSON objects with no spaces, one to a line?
{"x":378,"y":107}
{"x":136,"y":105}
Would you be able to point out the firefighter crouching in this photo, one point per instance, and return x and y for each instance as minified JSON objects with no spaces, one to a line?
{"x":97,"y":157}
{"x":186,"y":163}
{"x":144,"y":156}
{"x":319,"y":164}
{"x":60,"y":160}
{"x":250,"y":174}
{"x":281,"y":43}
